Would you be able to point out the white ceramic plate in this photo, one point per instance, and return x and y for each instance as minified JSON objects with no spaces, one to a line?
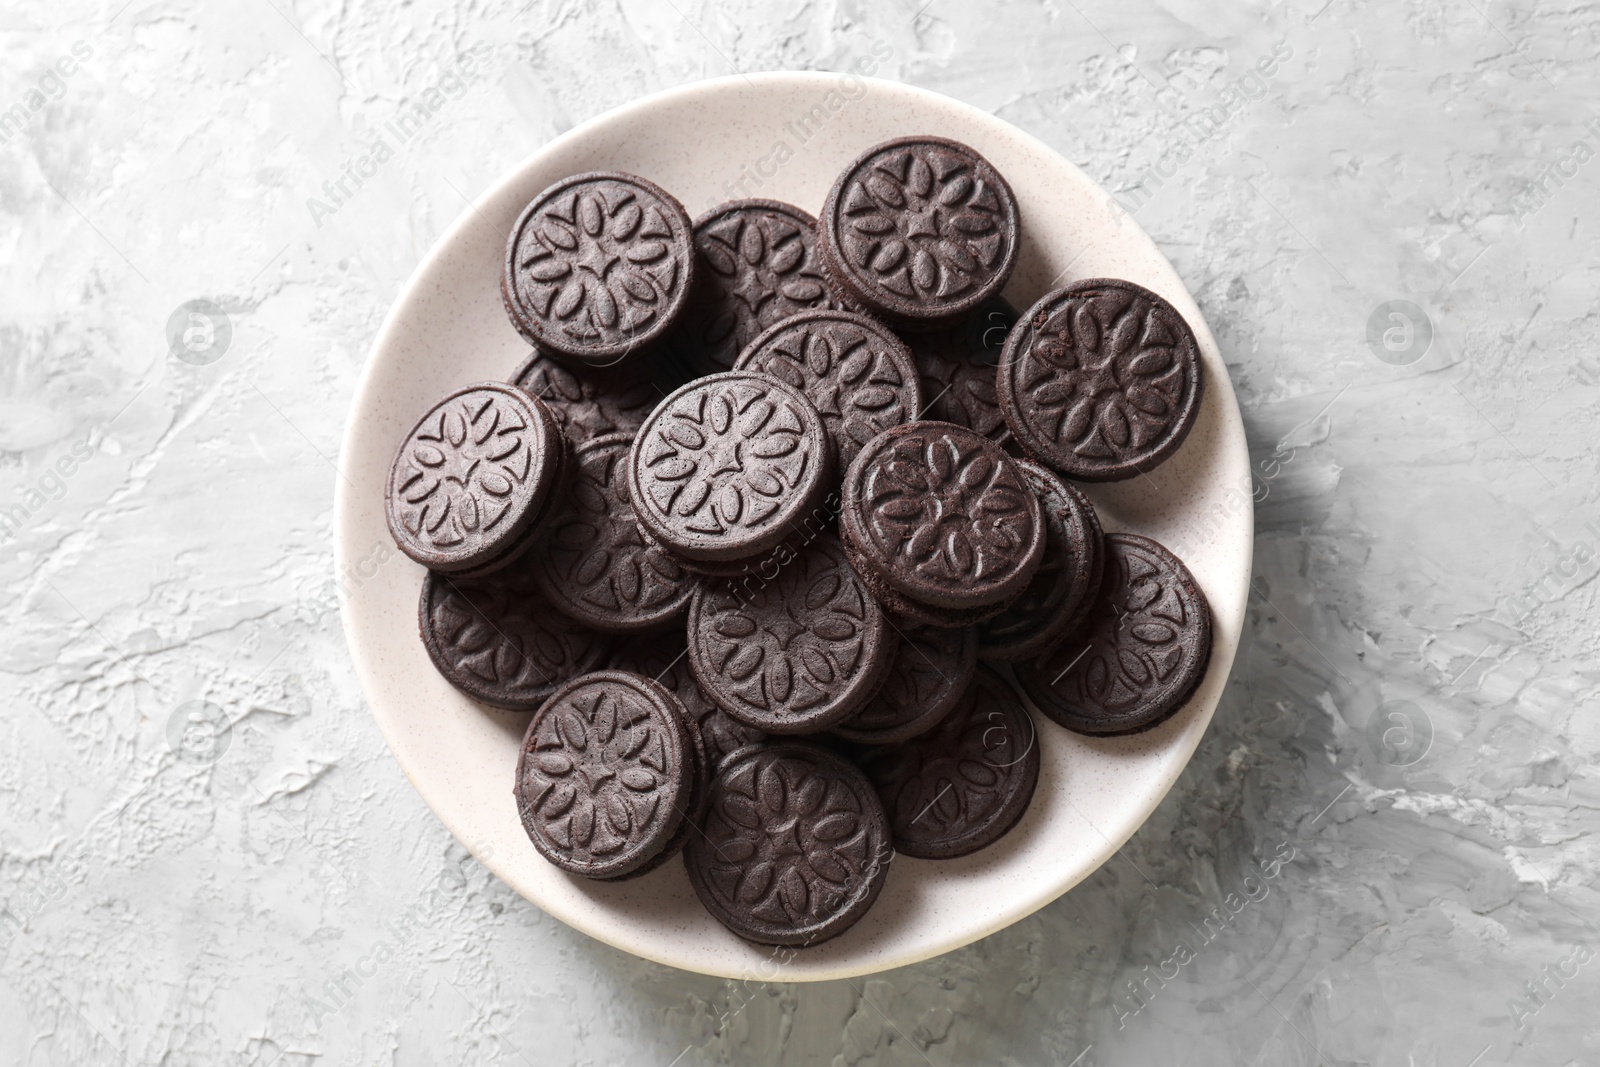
{"x":448,"y":328}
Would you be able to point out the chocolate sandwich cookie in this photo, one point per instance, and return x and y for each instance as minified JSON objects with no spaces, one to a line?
{"x":725,"y":466}
{"x":590,"y":402}
{"x":795,"y":845}
{"x":498,"y":639}
{"x":592,"y":562}
{"x":919,"y":231}
{"x":1064,"y":586}
{"x":796,"y":654}
{"x":1141,"y":653}
{"x":963,"y":785}
{"x":757,"y":266}
{"x":599,"y":266}
{"x":855,"y":370}
{"x":1101,"y":380}
{"x":605,"y":774}
{"x":958,"y":366}
{"x":931,"y":673}
{"x":663,"y":657}
{"x":942,"y":516}
{"x":473,"y":477}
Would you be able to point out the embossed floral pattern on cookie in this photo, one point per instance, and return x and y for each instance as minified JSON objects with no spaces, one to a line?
{"x":794,"y":654}
{"x":604,"y":774}
{"x":920,"y":228}
{"x":598,"y":266}
{"x":471,"y":476}
{"x":943,"y":515}
{"x":725,"y":463}
{"x":1101,"y":381}
{"x":795,"y":845}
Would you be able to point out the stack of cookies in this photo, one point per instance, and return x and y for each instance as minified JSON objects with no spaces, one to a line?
{"x":778,"y":515}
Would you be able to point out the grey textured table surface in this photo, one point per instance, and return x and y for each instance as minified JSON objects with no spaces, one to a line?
{"x":1383,"y":852}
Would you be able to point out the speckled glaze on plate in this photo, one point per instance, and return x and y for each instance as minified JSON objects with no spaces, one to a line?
{"x":1093,"y":793}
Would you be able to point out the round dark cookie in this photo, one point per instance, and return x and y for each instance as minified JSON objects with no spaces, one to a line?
{"x":1101,"y":380}
{"x":472,"y":477}
{"x":958,"y":364}
{"x":499,"y":641}
{"x":795,"y":845}
{"x":461,"y":471}
{"x":963,"y":785}
{"x":942,"y":516}
{"x":919,"y":231}
{"x":854,"y":369}
{"x":1141,"y":653}
{"x":598,"y":266}
{"x":517,"y":552}
{"x":590,"y":402}
{"x":1063,"y":588}
{"x":663,"y":657}
{"x":757,"y":266}
{"x":795,"y":654}
{"x":932,"y":670}
{"x":724,"y":467}
{"x":605,"y":774}
{"x":593,"y":563}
